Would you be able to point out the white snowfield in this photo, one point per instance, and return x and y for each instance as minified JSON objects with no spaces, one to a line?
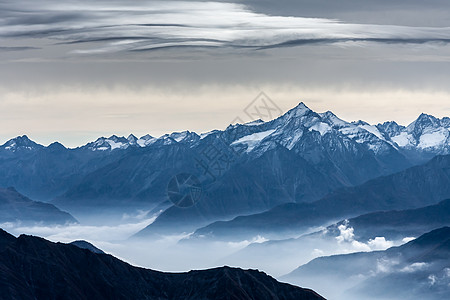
{"x":254,"y":139}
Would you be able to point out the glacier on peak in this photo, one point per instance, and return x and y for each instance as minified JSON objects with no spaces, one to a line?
{"x":253,"y":139}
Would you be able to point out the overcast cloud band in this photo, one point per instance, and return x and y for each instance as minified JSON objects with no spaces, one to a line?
{"x":113,"y":27}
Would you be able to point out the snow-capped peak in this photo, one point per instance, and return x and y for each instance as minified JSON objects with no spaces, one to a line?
{"x":111,"y":143}
{"x":146,"y":140}
{"x":184,"y":136}
{"x":426,"y":133}
{"x":132,"y":139}
{"x":391,"y":128}
{"x":300,"y":110}
{"x":423,"y":123}
{"x":22,"y":143}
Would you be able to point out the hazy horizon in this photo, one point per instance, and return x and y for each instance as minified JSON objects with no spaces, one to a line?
{"x":77,"y":139}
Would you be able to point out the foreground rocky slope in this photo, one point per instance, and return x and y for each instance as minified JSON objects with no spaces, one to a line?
{"x":34,"y":268}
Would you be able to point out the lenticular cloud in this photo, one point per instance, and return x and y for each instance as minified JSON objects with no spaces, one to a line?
{"x":109,"y":27}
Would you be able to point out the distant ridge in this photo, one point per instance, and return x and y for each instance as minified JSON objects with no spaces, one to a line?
{"x":17,"y":209}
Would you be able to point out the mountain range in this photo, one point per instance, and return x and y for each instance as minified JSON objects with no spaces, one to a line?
{"x":300,"y":157}
{"x":34,"y":268}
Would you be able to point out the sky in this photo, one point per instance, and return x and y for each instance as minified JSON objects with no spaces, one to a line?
{"x":71,"y":71}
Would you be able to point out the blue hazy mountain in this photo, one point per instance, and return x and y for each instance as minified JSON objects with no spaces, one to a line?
{"x":321,"y":150}
{"x":417,"y":269}
{"x":386,"y":227}
{"x":396,"y":224}
{"x":42,"y":172}
{"x":34,"y":268}
{"x":16,"y":208}
{"x":299,"y":157}
{"x":412,"y":188}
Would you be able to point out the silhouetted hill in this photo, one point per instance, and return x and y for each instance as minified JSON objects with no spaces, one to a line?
{"x":34,"y":268}
{"x":86,"y":245}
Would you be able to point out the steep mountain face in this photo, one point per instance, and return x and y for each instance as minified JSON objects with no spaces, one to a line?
{"x":422,"y":265}
{"x":244,"y":169}
{"x":412,"y":188}
{"x":33,"y":268}
{"x":16,"y":208}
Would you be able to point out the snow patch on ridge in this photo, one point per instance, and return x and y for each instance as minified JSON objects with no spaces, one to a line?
{"x":320,"y":127}
{"x":373,"y":130}
{"x":116,"y":145}
{"x":433,"y":139}
{"x":402,"y":140}
{"x":253,"y":140}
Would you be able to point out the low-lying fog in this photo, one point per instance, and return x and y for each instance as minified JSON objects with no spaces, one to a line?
{"x":175,"y":253}
{"x":169,"y":254}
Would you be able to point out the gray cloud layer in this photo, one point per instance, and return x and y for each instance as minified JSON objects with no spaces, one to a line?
{"x":116,"y":27}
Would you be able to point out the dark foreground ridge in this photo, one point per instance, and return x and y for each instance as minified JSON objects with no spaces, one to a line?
{"x":34,"y":268}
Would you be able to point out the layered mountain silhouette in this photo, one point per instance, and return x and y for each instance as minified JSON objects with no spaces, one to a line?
{"x":18,"y":209}
{"x":418,"y":269}
{"x":396,"y":224}
{"x":412,"y":188}
{"x":42,"y":173}
{"x":33,"y":268}
{"x":372,"y":231}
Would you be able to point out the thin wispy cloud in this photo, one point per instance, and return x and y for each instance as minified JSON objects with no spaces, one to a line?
{"x":114,"y":27}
